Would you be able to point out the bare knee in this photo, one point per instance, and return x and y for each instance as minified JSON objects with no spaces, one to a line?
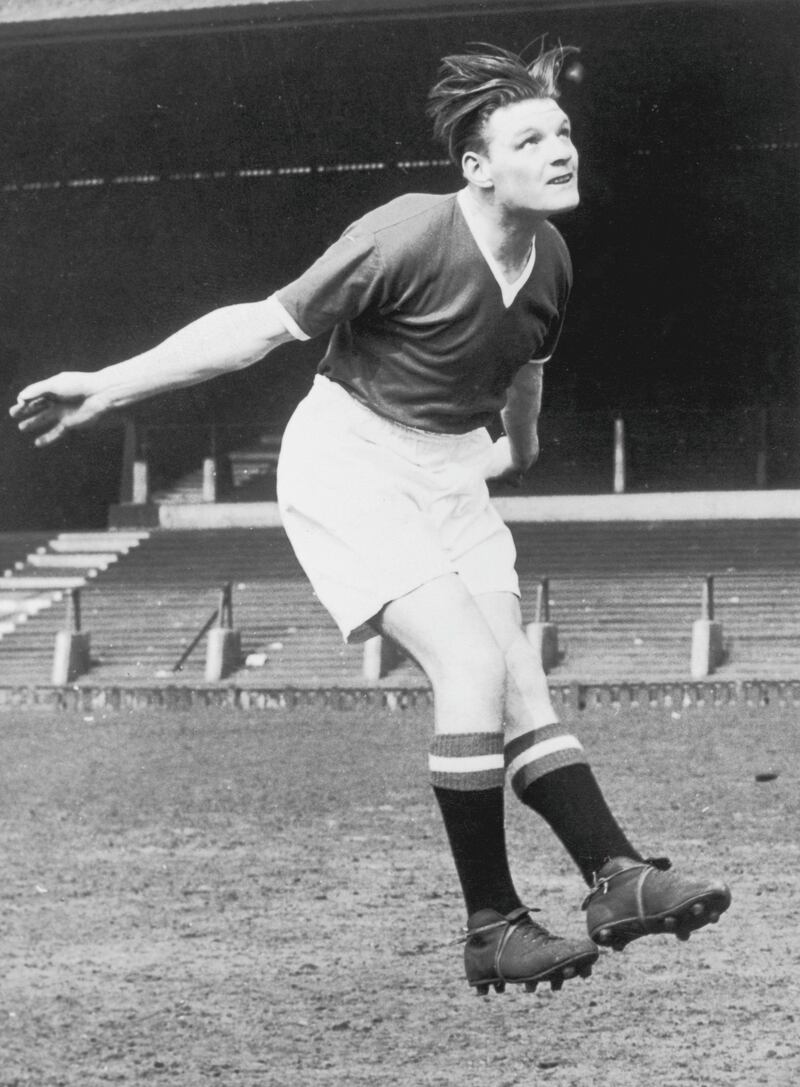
{"x":478,"y":667}
{"x":469,"y":687}
{"x":526,"y":675}
{"x":440,"y":625}
{"x":523,"y":662}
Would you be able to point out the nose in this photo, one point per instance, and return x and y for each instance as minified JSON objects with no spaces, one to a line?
{"x":564,"y":153}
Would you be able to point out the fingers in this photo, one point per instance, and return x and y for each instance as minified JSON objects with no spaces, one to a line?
{"x":48,"y":419}
{"x":43,"y":415}
{"x":50,"y":437}
{"x":54,"y":407}
{"x":26,"y":407}
{"x":68,"y":387}
{"x":35,"y":394}
{"x":37,"y":415}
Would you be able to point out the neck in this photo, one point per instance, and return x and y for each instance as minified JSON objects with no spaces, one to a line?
{"x":507,"y":233}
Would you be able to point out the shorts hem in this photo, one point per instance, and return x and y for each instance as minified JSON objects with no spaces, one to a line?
{"x":355,"y":633}
{"x":513,"y":589}
{"x":361,"y":630}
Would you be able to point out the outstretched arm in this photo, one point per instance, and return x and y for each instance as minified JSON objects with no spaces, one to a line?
{"x":222,"y":341}
{"x":518,"y":449}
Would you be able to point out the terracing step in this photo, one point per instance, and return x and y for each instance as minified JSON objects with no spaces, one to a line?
{"x":32,"y":583}
{"x":624,"y":598}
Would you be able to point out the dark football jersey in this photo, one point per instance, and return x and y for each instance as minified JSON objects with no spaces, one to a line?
{"x":423,"y":329}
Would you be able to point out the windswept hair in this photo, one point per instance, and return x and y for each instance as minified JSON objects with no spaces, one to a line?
{"x":471,"y":86}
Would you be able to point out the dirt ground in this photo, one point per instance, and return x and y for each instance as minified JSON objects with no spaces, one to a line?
{"x":267,"y":899}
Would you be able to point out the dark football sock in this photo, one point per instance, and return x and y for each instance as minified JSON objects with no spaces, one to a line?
{"x":467,"y":777}
{"x":550,"y":775}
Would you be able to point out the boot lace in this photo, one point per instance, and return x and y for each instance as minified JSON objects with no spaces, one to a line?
{"x":601,"y":883}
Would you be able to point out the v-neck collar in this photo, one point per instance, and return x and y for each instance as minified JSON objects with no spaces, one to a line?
{"x":509,"y":291}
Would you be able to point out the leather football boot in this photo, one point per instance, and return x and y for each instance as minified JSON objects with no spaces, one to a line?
{"x":642,"y":898}
{"x":514,"y":948}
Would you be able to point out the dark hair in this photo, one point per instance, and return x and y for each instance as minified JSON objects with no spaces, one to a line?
{"x":471,"y":86}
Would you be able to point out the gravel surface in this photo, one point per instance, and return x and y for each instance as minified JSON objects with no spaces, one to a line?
{"x":267,"y":899}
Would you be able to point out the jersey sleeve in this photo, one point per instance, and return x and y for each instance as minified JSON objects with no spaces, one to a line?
{"x":548,"y":347}
{"x":346,"y":280}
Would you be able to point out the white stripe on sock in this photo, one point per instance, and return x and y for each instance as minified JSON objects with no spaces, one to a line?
{"x":468,"y":764}
{"x":542,"y":750}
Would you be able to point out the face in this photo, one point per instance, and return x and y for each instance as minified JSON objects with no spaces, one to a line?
{"x":530,"y":161}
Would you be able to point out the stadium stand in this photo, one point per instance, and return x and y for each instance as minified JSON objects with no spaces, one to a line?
{"x":16,"y":544}
{"x":624,"y":596}
{"x":39,"y":572}
{"x":247,"y":475}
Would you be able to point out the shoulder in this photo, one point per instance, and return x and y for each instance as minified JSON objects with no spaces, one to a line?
{"x":406,"y":216}
{"x":553,"y":240}
{"x":550,"y":245}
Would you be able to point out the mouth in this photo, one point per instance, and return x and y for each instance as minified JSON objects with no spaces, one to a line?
{"x":562,"y":179}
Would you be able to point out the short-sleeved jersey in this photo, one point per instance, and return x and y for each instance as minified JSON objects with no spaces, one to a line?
{"x":419,"y":327}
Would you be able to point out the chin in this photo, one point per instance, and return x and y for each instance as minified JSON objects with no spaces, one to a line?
{"x":569,"y":202}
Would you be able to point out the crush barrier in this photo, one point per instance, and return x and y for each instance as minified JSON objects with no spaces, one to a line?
{"x":224,"y":646}
{"x":89,"y":699}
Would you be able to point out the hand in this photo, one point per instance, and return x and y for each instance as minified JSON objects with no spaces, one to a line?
{"x":504,"y":464}
{"x":58,"y":405}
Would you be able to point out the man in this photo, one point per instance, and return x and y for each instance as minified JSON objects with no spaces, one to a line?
{"x":441,"y":311}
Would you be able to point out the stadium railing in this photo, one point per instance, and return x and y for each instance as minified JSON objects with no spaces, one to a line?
{"x":644,"y":449}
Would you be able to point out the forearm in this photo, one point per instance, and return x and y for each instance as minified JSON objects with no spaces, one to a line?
{"x":220,"y":342}
{"x":521,"y":415}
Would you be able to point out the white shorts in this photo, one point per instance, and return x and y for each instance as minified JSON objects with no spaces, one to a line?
{"x":374,"y":509}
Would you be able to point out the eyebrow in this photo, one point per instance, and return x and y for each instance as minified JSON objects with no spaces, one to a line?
{"x":538,"y":130}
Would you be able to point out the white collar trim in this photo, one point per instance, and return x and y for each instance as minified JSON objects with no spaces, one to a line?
{"x":509,"y":291}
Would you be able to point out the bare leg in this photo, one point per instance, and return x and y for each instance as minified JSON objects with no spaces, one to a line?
{"x":444,"y":629}
{"x":547,"y":765}
{"x":631,"y":897}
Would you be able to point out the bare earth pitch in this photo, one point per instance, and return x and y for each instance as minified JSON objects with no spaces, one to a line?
{"x":267,"y":900}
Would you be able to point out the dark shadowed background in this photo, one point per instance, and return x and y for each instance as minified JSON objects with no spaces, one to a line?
{"x":149,"y":173}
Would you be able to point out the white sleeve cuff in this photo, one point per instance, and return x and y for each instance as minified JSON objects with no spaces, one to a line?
{"x":286,"y":318}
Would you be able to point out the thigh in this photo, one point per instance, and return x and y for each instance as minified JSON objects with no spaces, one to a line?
{"x":442,"y":627}
{"x":503,"y":616}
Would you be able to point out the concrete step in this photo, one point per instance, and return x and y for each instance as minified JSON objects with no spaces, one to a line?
{"x":74,"y":560}
{"x":87,"y":545}
{"x":37,"y":583}
{"x":628,"y":616}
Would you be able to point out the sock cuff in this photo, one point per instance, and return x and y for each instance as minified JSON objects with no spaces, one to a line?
{"x":467,"y":761}
{"x":539,"y":752}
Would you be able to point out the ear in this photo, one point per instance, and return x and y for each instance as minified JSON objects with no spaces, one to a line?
{"x":476,"y":169}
